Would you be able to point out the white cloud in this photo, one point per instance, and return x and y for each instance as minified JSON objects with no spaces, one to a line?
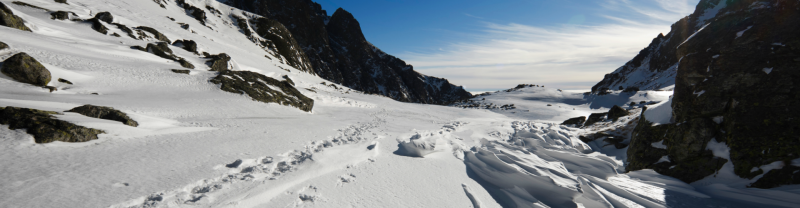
{"x":567,"y":56}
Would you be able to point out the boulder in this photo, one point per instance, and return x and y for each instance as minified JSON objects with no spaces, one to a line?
{"x":26,"y":69}
{"x":64,"y":81}
{"x":594,"y":118}
{"x":181,"y":71}
{"x":218,"y":62}
{"x":577,"y":121}
{"x":107,"y":113}
{"x":97,"y":26}
{"x":616,"y":112}
{"x":44,"y":127}
{"x":188,"y":45}
{"x":3,"y":46}
{"x":8,"y":19}
{"x":126,"y":30}
{"x":105,"y":17}
{"x":62,"y":1}
{"x":262,"y":88}
{"x":286,"y":77}
{"x":161,"y":49}
{"x":60,"y":15}
{"x":158,"y":35}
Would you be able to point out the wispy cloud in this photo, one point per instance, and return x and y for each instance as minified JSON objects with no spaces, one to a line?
{"x":567,"y":56}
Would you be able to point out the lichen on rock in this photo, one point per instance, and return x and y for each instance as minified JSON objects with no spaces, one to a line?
{"x":8,"y":19}
{"x":103,"y":112}
{"x":44,"y":127}
{"x":24,"y":68}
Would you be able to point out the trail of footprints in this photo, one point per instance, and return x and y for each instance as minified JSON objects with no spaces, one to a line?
{"x":262,"y":170}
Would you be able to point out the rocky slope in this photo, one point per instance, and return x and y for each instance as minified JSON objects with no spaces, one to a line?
{"x":338,"y":51}
{"x":735,"y":65}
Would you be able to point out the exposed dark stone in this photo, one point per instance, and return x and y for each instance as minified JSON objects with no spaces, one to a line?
{"x":617,"y":112}
{"x":26,"y":69}
{"x":594,"y":118}
{"x":631,"y":89}
{"x":155,"y":32}
{"x":62,"y":1}
{"x":126,"y":30}
{"x":161,"y":49}
{"x":64,"y":81}
{"x":44,"y":127}
{"x":286,"y":77}
{"x":235,"y":164}
{"x":577,"y":121}
{"x":188,"y":45}
{"x":742,"y":106}
{"x":256,"y":86}
{"x":185,"y":63}
{"x":195,"y":12}
{"x":98,"y":26}
{"x":139,"y":48}
{"x":686,"y":148}
{"x":116,"y":35}
{"x":337,"y":51}
{"x":51,"y":88}
{"x":29,"y":5}
{"x":61,"y":15}
{"x":105,"y":17}
{"x":617,"y":142}
{"x":3,"y":46}
{"x":181,"y":71}
{"x":8,"y":19}
{"x":107,"y":113}
{"x":789,"y":174}
{"x":218,"y":62}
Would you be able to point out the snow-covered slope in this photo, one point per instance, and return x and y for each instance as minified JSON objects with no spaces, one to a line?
{"x":199,"y":146}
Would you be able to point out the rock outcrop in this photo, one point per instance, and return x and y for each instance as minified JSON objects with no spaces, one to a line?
{"x":44,"y":127}
{"x":8,"y":19}
{"x":3,"y":46}
{"x":337,"y":51}
{"x":103,"y":112}
{"x":26,"y":69}
{"x":577,"y":121}
{"x":262,"y":88}
{"x":737,"y":86}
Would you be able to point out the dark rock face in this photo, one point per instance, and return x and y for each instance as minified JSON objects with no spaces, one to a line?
{"x":737,"y":84}
{"x":195,"y":12}
{"x":617,"y":112}
{"x":107,"y":113}
{"x":188,"y":45}
{"x":337,"y":51}
{"x":155,"y":32}
{"x":577,"y":121}
{"x":61,"y":15}
{"x":594,"y":118}
{"x":181,"y":71}
{"x":26,"y":69}
{"x":161,"y":49}
{"x":274,"y":39}
{"x":105,"y":17}
{"x":3,"y":46}
{"x":218,"y":62}
{"x":44,"y":127}
{"x":257,"y":86}
{"x":126,"y":29}
{"x":64,"y":81}
{"x":8,"y":19}
{"x":686,"y":148}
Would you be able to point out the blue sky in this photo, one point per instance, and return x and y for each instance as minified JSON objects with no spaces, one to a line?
{"x":492,"y":45}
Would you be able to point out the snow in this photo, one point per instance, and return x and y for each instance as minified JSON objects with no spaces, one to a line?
{"x":200,"y":146}
{"x":659,"y":144}
{"x":660,"y":113}
{"x":710,"y":13}
{"x":740,"y":33}
{"x":719,"y":149}
{"x":767,"y":70}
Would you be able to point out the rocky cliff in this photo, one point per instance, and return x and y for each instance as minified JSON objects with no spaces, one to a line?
{"x":735,"y":67}
{"x":338,"y":51}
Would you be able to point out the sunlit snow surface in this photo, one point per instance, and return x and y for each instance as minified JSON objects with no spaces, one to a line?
{"x":198,"y":146}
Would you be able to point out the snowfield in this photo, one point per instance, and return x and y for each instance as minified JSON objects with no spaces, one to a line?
{"x":199,"y":146}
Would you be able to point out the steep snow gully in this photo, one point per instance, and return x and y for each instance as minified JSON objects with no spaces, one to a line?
{"x":197,"y":145}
